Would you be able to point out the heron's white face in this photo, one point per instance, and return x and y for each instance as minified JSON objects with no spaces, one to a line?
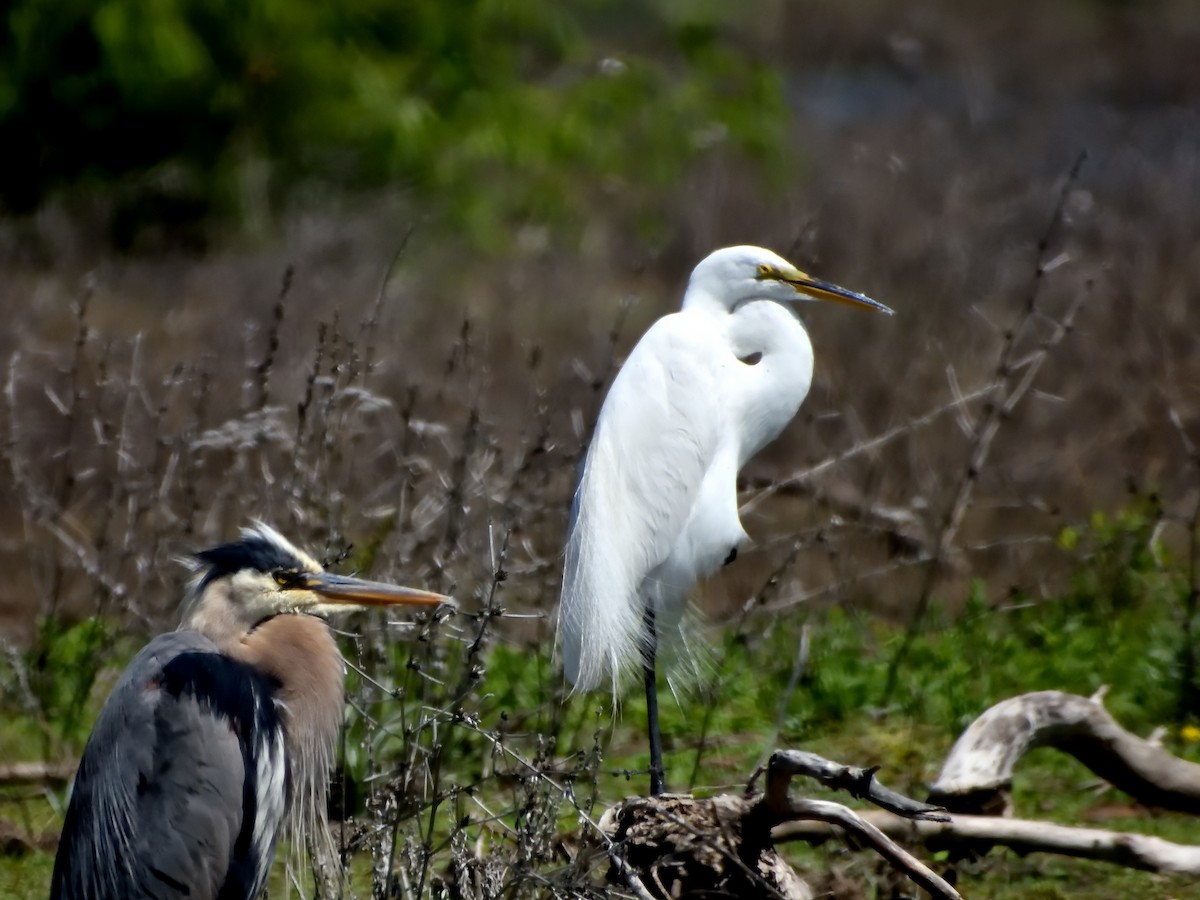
{"x":257,"y":595}
{"x":316,"y":592}
{"x":735,"y":275}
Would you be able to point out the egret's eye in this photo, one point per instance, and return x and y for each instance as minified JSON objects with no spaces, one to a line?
{"x":764,"y":271}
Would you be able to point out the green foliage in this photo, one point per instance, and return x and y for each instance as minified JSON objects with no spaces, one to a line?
{"x":26,"y":877}
{"x":985,"y":655}
{"x":499,"y":112}
{"x":1121,"y":561}
{"x":63,"y":665}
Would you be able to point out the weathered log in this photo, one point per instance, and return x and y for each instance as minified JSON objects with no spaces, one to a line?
{"x":977,"y":775}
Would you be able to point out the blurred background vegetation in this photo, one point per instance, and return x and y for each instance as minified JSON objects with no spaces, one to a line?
{"x":502,"y":110}
{"x":364,"y":269}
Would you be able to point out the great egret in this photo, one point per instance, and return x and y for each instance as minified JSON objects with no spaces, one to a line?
{"x":656,"y":505}
{"x":217,"y":734}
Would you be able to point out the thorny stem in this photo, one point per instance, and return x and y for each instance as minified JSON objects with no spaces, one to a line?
{"x":1189,"y":685}
{"x":995,"y":414}
{"x":262,"y":371}
{"x":371,"y":324}
{"x":305,"y":405}
{"x":455,"y":500}
{"x":1189,"y":700}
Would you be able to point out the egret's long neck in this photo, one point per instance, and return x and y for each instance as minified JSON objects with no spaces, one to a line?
{"x":773,"y":388}
{"x":700,"y":298}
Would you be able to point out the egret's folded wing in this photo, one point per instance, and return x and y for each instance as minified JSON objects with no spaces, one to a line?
{"x":656,"y":435}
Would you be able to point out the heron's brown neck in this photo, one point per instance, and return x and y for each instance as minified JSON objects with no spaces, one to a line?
{"x":299,"y":653}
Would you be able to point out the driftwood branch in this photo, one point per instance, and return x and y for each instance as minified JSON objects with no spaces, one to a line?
{"x":1137,"y":851}
{"x":37,"y":773}
{"x":860,"y":783}
{"x":977,"y":778}
{"x":853,"y":823}
{"x":977,"y":775}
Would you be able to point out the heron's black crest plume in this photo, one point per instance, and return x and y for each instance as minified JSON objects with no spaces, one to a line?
{"x":251,"y":553}
{"x":261,"y":549}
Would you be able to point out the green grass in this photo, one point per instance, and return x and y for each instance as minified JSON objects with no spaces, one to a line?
{"x":26,"y":876}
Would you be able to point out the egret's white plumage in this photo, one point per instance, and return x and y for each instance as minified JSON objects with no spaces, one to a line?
{"x":656,"y":506}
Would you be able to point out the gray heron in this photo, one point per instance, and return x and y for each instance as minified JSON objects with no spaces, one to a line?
{"x":656,"y":505}
{"x":219,"y":734}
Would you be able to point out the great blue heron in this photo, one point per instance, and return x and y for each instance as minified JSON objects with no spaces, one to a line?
{"x":656,"y":507}
{"x":217,"y":734}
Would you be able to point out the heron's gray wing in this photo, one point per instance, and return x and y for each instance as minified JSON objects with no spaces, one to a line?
{"x":164,"y":803}
{"x":656,"y":436}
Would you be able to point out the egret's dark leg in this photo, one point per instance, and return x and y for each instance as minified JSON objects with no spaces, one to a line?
{"x":656,"y":763}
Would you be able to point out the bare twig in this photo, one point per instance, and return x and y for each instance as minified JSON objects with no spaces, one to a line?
{"x":371,"y":323}
{"x":850,"y":821}
{"x":795,"y":482}
{"x":860,"y":783}
{"x":1009,"y":390}
{"x":262,"y":372}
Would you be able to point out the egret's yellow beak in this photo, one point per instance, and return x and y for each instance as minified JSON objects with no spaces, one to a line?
{"x":342,"y":589}
{"x":817,"y":289}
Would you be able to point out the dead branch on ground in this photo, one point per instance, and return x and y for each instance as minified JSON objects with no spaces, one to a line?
{"x":980,"y":833}
{"x":975,"y":784}
{"x":672,"y":845}
{"x":37,"y":773}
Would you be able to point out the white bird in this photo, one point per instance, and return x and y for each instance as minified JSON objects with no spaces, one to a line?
{"x":656,"y":506}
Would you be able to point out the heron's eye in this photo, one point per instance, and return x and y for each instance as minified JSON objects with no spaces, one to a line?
{"x":289,"y":581}
{"x":764,"y":271}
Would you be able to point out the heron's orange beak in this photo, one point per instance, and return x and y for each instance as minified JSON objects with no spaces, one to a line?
{"x":817,"y":289}
{"x":342,"y":589}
